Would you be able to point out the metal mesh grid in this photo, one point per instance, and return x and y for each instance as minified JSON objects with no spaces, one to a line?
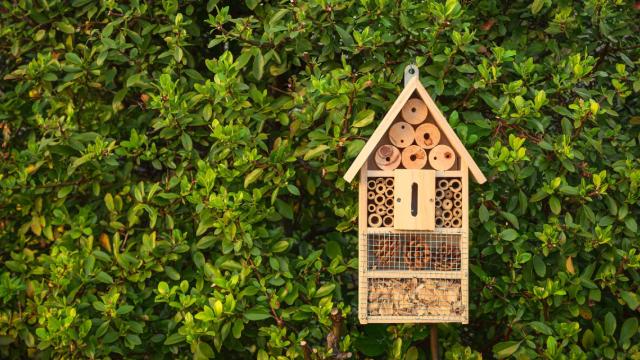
{"x":380,"y":194}
{"x":440,"y":298}
{"x":413,"y":251}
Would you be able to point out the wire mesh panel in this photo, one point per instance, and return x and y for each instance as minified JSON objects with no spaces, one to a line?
{"x":436,"y":298}
{"x":413,"y":251}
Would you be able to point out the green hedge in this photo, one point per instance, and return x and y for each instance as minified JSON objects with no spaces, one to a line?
{"x":171,"y":174}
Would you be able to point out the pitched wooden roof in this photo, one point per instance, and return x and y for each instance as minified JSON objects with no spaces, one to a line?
{"x":412,"y":86}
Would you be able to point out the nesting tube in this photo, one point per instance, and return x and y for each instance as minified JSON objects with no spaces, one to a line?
{"x":457,"y":212}
{"x":381,"y":210}
{"x":457,"y":203}
{"x":375,"y":220}
{"x":439,"y":194}
{"x":438,"y":212}
{"x":379,"y":181}
{"x":387,"y":157}
{"x":414,"y":157}
{"x":447,"y":204}
{"x":371,"y":208}
{"x":447,"y":215}
{"x":415,"y":111}
{"x":389,"y":202}
{"x":371,"y":195}
{"x":443,"y":184}
{"x":380,"y":189}
{"x":379,"y":199}
{"x":438,"y":203}
{"x":456,"y":222}
{"x":448,"y":194}
{"x":455,"y":185}
{"x":371,"y":184}
{"x":401,"y":134}
{"x":457,"y":195}
{"x":439,"y":221}
{"x":389,"y":192}
{"x":389,"y":182}
{"x":387,"y":221}
{"x":442,"y":157}
{"x":447,"y":223}
{"x":427,"y":136}
{"x":390,"y":211}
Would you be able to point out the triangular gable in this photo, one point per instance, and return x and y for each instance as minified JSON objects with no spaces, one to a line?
{"x":414,"y":85}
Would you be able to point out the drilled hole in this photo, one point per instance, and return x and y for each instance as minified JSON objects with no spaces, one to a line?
{"x":387,"y":158}
{"x":413,"y":109}
{"x":447,"y":155}
{"x":427,"y":136}
{"x":413,"y":157}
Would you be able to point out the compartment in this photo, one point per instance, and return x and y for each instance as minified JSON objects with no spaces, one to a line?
{"x":413,"y":251}
{"x":440,"y":298}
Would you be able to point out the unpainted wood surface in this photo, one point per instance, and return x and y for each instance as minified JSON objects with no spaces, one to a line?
{"x":425,"y":215}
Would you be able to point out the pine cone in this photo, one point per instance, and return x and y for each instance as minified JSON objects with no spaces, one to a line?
{"x":447,"y":257}
{"x":386,"y":251}
{"x":417,"y":255}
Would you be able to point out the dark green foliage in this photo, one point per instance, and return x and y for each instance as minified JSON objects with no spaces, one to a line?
{"x":170,"y":173}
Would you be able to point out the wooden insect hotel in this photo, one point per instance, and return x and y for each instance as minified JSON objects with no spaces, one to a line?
{"x":413,"y":215}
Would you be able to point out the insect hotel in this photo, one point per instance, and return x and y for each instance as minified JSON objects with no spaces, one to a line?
{"x":413,"y":215}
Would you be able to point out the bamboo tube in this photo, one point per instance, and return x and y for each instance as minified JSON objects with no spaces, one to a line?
{"x":371,"y":208}
{"x":447,"y":215}
{"x":380,"y":189}
{"x":457,"y":195}
{"x":387,"y":157}
{"x":439,"y":221}
{"x":442,"y":157}
{"x":457,"y":204}
{"x":390,"y":211}
{"x":371,"y":184}
{"x":389,"y":202}
{"x":379,"y":200}
{"x":456,"y":222}
{"x":438,"y":203}
{"x":415,"y":111}
{"x":381,"y":209}
{"x":455,"y":185}
{"x":387,"y":221}
{"x":438,"y":212}
{"x":371,"y":195}
{"x":427,"y":136}
{"x":389,"y":192}
{"x":447,"y":223}
{"x":447,"y":204}
{"x":448,"y":194}
{"x":439,"y":194}
{"x":389,"y":182}
{"x":375,"y":220}
{"x":401,"y":134}
{"x":379,"y":181}
{"x":457,"y":212}
{"x":414,"y":157}
{"x":443,"y":184}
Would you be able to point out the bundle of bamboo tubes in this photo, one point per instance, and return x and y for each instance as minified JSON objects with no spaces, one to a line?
{"x":449,"y":203}
{"x":380,"y":202}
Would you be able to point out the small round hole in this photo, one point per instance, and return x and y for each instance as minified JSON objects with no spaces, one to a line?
{"x":447,"y":155}
{"x":412,"y":157}
{"x":387,"y":158}
{"x":401,"y":126}
{"x":427,"y":136}
{"x":413,"y":109}
{"x":401,"y":140}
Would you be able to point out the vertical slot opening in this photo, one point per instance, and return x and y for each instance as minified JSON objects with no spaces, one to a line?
{"x":414,"y":199}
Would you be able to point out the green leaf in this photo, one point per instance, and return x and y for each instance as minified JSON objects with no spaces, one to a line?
{"x":325,"y":290}
{"x":65,"y":27}
{"x":258,"y":65}
{"x":506,"y":349}
{"x":554,"y":204}
{"x":629,"y":329}
{"x":252,"y":177}
{"x":609,"y":324}
{"x":364,"y":118}
{"x":346,"y":38}
{"x":186,"y":141}
{"x":174,"y":339}
{"x":257,"y":314}
{"x":104,"y":278}
{"x":509,"y":234}
{"x":285,"y":209}
{"x":315,"y":152}
{"x":539,"y":266}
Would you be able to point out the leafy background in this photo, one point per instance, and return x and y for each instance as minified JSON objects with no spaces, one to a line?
{"x":171,"y":187}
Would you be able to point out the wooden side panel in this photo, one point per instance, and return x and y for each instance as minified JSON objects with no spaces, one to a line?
{"x":363,"y":288}
{"x":464,"y":246}
{"x":414,"y":199}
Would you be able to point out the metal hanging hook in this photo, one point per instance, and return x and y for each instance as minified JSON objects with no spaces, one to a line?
{"x":410,"y":71}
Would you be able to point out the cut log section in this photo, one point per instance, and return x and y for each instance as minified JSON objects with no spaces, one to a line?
{"x":401,"y":134}
{"x":415,"y":111}
{"x":442,"y":157}
{"x":387,"y":158}
{"x":414,"y":157}
{"x":427,"y":136}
